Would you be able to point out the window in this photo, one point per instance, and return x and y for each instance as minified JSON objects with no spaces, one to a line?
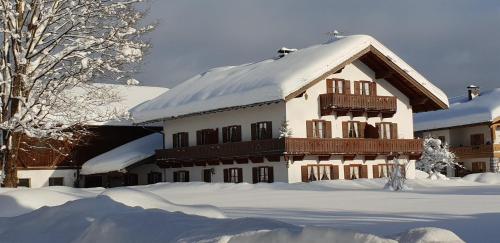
{"x":476,"y":139}
{"x":478,"y":167}
{"x":56,"y":181}
{"x":24,"y":182}
{"x":154,"y":177}
{"x":497,"y":135}
{"x":180,"y":139}
{"x":319,"y":129}
{"x":131,"y":179}
{"x":231,"y":134}
{"x":233,"y":175}
{"x":262,"y":130}
{"x":387,"y":130}
{"x":353,"y":130}
{"x":443,"y":139}
{"x":263,"y":174}
{"x":319,"y":172}
{"x":365,"y":88}
{"x":207,"y":136}
{"x":354,"y":172}
{"x":181,"y":176}
{"x":207,"y":175}
{"x":337,"y":86}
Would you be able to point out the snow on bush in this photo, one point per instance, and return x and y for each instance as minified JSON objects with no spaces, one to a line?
{"x":488,"y":178}
{"x":435,"y":157}
{"x":397,"y":179}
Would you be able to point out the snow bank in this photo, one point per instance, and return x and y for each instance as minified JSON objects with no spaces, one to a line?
{"x":421,"y":174}
{"x":121,"y":157}
{"x":429,"y":234}
{"x":484,"y":108}
{"x":488,"y":178}
{"x":266,"y":81}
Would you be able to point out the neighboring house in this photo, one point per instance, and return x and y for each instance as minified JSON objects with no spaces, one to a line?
{"x":57,"y":163}
{"x":471,"y":127}
{"x":339,"y":110}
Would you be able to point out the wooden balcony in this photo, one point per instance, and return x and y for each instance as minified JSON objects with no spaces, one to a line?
{"x":469,"y":152}
{"x":291,"y":146}
{"x":357,"y":105}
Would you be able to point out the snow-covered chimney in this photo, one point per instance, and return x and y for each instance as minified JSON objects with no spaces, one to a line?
{"x":283,"y":51}
{"x":473,"y":91}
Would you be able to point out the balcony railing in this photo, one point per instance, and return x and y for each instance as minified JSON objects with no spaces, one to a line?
{"x":292,"y":146}
{"x":385,"y":105}
{"x":466,"y":152}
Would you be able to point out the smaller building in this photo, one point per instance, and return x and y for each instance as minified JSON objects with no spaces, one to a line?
{"x":471,"y":127}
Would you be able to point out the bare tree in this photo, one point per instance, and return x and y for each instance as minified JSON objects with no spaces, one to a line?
{"x":50,"y":53}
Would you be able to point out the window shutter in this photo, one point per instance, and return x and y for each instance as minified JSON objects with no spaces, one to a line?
{"x":334,"y":172}
{"x":187,"y":176}
{"x":309,"y":129}
{"x":347,"y":87}
{"x":376,"y":173}
{"x":379,"y":134}
{"x":269,"y":130}
{"x":394,"y":130}
{"x":364,"y":171}
{"x":176,"y":177}
{"x":373,"y":88}
{"x":255,"y":175}
{"x":303,"y":171}
{"x":199,"y":135}
{"x":270,"y":174}
{"x":215,"y":136}
{"x":254,"y":131}
{"x":328,"y":129}
{"x":362,"y":127}
{"x":347,"y":172}
{"x":184,"y":139}
{"x":345,"y":129}
{"x":175,"y":140}
{"x":226,"y":175}
{"x":238,"y":134}
{"x":357,"y":87}
{"x":225,"y":135}
{"x":329,"y":86}
{"x":240,"y":175}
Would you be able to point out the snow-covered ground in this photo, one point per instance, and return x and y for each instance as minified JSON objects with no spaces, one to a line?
{"x":323,"y":211}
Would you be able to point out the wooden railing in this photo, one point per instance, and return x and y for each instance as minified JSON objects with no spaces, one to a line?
{"x":477,"y":151}
{"x":341,"y":102}
{"x":292,"y":146}
{"x":352,"y":146}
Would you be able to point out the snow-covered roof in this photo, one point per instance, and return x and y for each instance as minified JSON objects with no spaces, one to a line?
{"x":462,"y":111}
{"x":265,"y":81}
{"x":131,"y":96}
{"x":121,"y":157}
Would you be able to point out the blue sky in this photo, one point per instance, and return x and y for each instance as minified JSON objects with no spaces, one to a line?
{"x":452,"y":42}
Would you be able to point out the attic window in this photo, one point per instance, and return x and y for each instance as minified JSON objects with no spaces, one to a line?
{"x":301,"y":94}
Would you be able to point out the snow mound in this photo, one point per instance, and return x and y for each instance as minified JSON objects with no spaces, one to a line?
{"x":421,"y":174}
{"x":438,"y":176}
{"x":429,"y":235}
{"x":488,"y":178}
{"x":147,"y":200}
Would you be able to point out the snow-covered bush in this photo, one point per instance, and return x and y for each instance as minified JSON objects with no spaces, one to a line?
{"x":397,"y":178}
{"x":285,"y":130}
{"x":435,"y":157}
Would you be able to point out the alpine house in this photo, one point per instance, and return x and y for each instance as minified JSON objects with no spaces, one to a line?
{"x":339,"y":110}
{"x":471,"y":127}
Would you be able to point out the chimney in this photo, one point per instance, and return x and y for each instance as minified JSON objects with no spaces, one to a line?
{"x":285,"y":51}
{"x":473,"y":91}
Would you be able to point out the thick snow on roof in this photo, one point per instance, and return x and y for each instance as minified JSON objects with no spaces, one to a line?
{"x":121,"y":157}
{"x":264,"y":81}
{"x":131,"y":96}
{"x":484,"y":108}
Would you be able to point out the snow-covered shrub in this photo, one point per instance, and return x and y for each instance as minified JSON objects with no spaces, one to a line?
{"x":435,"y":157}
{"x":397,"y":178}
{"x":285,"y":130}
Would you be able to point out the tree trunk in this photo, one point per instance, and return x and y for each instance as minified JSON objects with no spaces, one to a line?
{"x":11,"y":150}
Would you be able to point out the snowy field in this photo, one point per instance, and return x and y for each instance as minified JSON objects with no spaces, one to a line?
{"x":323,"y":211}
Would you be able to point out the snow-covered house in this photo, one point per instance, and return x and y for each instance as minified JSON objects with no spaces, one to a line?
{"x":471,"y":127}
{"x":339,"y":110}
{"x":51,"y":163}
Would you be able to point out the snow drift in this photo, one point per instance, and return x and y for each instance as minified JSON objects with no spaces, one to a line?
{"x":488,"y":178}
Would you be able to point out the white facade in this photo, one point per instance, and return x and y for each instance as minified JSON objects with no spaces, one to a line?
{"x":40,"y":178}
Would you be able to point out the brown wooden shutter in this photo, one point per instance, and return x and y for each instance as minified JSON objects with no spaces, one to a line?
{"x":199,"y":135}
{"x":225,"y":135}
{"x":309,"y":129}
{"x":175,"y":140}
{"x":364,"y":171}
{"x":255,"y":175}
{"x":254,"y":131}
{"x":176,"y":176}
{"x":304,"y":171}
{"x":329,"y":86}
{"x":347,"y":87}
{"x":357,"y":87}
{"x":226,"y":175}
{"x":376,"y":173}
{"x":362,"y":127}
{"x":328,"y":129}
{"x":240,"y":175}
{"x":187,"y":176}
{"x":184,"y":139}
{"x":334,"y":172}
{"x":269,"y":130}
{"x":270,"y":174}
{"x":373,"y":88}
{"x":215,"y":136}
{"x":345,"y":129}
{"x":394,"y":130}
{"x":238,"y":134}
{"x":347,"y":172}
{"x":377,"y":125}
